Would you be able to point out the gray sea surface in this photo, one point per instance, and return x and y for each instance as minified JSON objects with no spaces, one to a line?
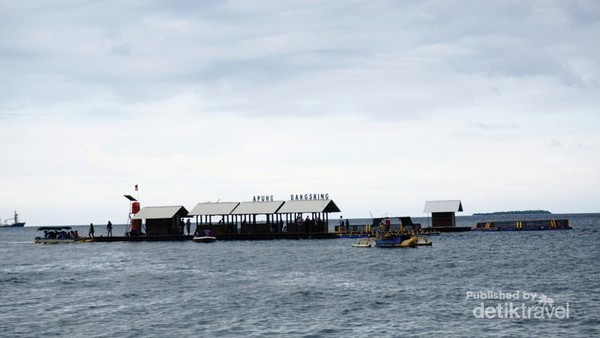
{"x":304,"y":288}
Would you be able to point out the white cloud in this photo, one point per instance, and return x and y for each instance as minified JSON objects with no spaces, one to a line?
{"x":382,"y":104}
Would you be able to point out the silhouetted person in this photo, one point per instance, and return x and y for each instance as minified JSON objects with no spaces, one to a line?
{"x":91,"y":232}
{"x":181,"y":226}
{"x":109,"y":229}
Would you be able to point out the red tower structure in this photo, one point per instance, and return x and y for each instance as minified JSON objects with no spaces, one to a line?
{"x":134,"y":226}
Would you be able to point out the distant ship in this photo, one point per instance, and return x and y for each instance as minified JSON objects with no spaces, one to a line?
{"x":13,"y":222}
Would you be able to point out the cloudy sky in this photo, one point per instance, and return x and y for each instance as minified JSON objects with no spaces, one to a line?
{"x":381,"y":104}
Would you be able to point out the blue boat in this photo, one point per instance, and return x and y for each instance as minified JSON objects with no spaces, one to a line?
{"x":353,"y":235}
{"x":391,"y":240}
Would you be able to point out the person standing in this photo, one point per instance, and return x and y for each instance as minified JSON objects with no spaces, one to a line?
{"x":187,"y":226}
{"x":91,"y":231}
{"x":109,"y":229}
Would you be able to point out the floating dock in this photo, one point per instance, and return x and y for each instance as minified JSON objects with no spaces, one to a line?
{"x":450,"y":229}
{"x":245,"y":237}
{"x":538,"y":225}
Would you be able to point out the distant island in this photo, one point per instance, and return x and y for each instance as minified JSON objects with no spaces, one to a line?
{"x":514,"y":212}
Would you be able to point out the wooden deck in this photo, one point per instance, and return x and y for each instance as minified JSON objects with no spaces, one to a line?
{"x":245,"y":237}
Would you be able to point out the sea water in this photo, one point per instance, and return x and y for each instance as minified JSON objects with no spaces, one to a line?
{"x":305,"y":287}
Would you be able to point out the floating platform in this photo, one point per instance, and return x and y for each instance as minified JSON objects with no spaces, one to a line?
{"x":253,"y":237}
{"x":450,"y":229}
{"x":539,"y":225}
{"x":353,"y":234}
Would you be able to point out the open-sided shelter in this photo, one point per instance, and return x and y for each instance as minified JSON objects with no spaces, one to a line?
{"x":204,"y":213}
{"x":248,"y":212}
{"x":319,"y":210}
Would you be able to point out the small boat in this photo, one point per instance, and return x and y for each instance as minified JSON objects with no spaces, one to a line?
{"x":57,"y":235}
{"x":204,"y":239}
{"x":363,"y":243}
{"x":423,"y":241}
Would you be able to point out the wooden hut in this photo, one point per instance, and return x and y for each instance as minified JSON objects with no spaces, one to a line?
{"x":163,"y":221}
{"x":443,"y":213}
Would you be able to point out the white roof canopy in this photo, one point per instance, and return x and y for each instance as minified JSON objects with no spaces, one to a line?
{"x":300,"y":206}
{"x":213,"y":209}
{"x":159,"y":212}
{"x":443,"y":206}
{"x":257,"y":208}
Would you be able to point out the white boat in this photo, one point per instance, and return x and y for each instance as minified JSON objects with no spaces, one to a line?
{"x":204,"y":239}
{"x":423,"y":241}
{"x":363,"y":243}
{"x":57,"y":235}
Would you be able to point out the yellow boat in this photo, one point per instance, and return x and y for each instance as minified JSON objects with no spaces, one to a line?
{"x":409,"y":243}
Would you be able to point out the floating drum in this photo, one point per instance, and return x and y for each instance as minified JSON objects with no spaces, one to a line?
{"x":135,"y":207}
{"x":136,"y":225}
